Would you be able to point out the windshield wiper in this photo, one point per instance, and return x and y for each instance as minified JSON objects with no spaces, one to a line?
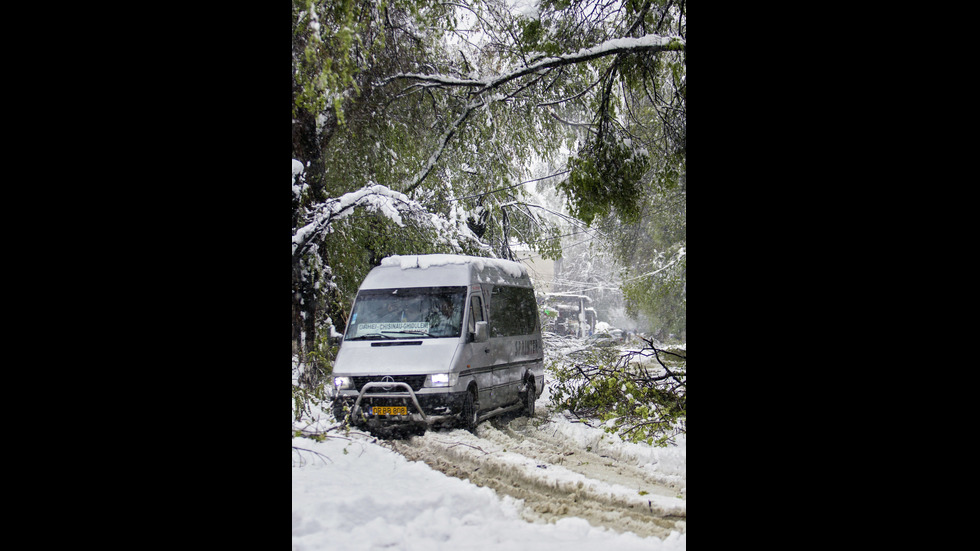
{"x":411,"y":332}
{"x":371,"y":336}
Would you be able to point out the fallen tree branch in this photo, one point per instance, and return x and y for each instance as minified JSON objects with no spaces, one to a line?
{"x":320,"y":455}
{"x":632,"y":399}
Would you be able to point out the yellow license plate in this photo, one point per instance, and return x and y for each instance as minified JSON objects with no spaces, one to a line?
{"x":401,"y":410}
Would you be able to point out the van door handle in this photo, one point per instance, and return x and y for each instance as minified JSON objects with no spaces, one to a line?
{"x":487,"y":350}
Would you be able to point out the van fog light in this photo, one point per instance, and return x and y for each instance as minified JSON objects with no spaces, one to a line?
{"x":442,"y":379}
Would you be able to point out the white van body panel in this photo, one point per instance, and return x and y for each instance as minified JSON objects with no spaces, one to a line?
{"x":427,"y":357}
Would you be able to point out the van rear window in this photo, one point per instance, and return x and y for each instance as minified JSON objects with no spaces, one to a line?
{"x":513,"y":311}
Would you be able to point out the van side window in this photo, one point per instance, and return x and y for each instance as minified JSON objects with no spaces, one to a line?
{"x":513,"y":311}
{"x":476,"y":312}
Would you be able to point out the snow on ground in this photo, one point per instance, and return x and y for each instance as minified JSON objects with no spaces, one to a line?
{"x":357,"y":495}
{"x":353,"y":493}
{"x":362,"y":496}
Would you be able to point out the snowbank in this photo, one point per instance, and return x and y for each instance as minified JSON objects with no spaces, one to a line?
{"x":357,"y":495}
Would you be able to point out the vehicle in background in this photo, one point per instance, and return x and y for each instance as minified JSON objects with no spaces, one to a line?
{"x":574,"y":314}
{"x":607,"y":337}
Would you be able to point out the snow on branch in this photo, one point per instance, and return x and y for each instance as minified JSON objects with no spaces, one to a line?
{"x":680,"y":254}
{"x":442,"y":80}
{"x":375,"y":198}
{"x":648,"y":43}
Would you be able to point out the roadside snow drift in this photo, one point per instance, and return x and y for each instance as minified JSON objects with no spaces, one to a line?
{"x":355,"y":494}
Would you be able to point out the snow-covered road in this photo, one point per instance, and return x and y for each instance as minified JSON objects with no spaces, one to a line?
{"x":536,"y":461}
{"x":559,"y":486}
{"x":545,"y":483}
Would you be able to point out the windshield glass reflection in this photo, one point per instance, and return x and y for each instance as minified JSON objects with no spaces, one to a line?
{"x":407,"y":313}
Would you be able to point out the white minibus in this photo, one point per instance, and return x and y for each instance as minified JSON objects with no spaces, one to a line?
{"x":444,"y":340}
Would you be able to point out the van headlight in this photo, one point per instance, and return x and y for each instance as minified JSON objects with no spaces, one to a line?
{"x":443,"y":379}
{"x":342,"y":383}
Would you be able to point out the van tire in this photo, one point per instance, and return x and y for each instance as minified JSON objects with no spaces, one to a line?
{"x":529,"y":398}
{"x":470,"y":412}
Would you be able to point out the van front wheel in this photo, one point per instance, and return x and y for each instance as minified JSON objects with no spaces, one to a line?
{"x":470,"y":413}
{"x":529,"y":398}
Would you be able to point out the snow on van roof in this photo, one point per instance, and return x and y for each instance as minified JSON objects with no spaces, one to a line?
{"x":424,"y":261}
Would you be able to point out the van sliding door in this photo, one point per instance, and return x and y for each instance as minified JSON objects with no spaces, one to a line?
{"x":514,"y":342}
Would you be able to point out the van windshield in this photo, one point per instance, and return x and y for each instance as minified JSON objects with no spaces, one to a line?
{"x":407,"y":313}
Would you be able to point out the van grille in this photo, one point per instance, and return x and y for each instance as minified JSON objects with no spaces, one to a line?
{"x":414,"y":381}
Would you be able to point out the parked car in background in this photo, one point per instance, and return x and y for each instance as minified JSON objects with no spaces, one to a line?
{"x":608,"y":337}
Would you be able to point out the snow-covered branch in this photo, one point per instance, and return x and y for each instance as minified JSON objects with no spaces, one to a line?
{"x":442,"y":80}
{"x":648,"y":43}
{"x":587,"y":125}
{"x":376,"y":198}
{"x":680,"y":254}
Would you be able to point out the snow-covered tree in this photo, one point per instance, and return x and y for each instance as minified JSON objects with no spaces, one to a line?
{"x":313,"y":279}
{"x":414,"y":122}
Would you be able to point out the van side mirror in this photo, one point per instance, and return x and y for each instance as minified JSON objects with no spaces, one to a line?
{"x":482,"y":333}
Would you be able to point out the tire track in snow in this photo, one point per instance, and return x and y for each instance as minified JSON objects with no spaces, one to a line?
{"x":539,"y":439}
{"x":554,"y":479}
